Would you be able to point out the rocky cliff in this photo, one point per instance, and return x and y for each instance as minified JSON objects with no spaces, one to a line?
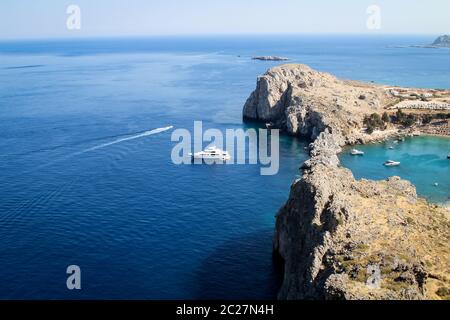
{"x":304,"y":102}
{"x":341,"y":238}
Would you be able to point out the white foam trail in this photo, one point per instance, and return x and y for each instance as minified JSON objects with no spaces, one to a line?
{"x":141,"y":135}
{"x":104,"y":145}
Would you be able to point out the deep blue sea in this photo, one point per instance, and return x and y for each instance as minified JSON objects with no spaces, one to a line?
{"x":74,"y":189}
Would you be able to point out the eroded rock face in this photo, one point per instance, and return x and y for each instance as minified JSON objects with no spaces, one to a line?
{"x":305,"y":102}
{"x":341,"y":238}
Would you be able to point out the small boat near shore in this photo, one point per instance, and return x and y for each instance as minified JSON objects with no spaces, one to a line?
{"x":391,"y":163}
{"x":356,"y":152}
{"x":212,"y":153}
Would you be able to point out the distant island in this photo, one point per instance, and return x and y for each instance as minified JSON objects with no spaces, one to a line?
{"x":270,"y":58}
{"x":442,"y":41}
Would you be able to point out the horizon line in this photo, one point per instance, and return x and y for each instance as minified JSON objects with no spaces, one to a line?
{"x":200,"y":35}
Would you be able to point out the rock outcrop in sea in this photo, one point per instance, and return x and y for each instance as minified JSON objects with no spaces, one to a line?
{"x":338,"y":237}
{"x":270,"y":58}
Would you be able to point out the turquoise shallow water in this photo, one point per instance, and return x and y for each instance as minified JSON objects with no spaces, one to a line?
{"x":423,"y":162}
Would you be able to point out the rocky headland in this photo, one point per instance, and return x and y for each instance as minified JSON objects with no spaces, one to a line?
{"x":338,"y":237}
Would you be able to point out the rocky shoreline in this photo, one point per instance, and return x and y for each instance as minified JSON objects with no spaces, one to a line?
{"x":341,"y":238}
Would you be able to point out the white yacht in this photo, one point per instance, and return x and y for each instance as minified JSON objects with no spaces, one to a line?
{"x":211,"y":153}
{"x":391,"y":163}
{"x":356,"y":152}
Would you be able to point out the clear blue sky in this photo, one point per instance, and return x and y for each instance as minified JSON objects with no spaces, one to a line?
{"x":47,"y":18}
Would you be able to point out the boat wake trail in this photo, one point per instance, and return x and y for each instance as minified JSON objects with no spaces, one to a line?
{"x":47,"y":197}
{"x":104,"y":145}
{"x":141,"y":135}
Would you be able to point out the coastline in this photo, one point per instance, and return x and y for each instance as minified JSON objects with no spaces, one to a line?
{"x":445,"y":204}
{"x":436,"y":135}
{"x":329,"y":193}
{"x":330,"y":216}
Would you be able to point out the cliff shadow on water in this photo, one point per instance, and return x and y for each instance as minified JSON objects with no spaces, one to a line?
{"x":238,"y":269}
